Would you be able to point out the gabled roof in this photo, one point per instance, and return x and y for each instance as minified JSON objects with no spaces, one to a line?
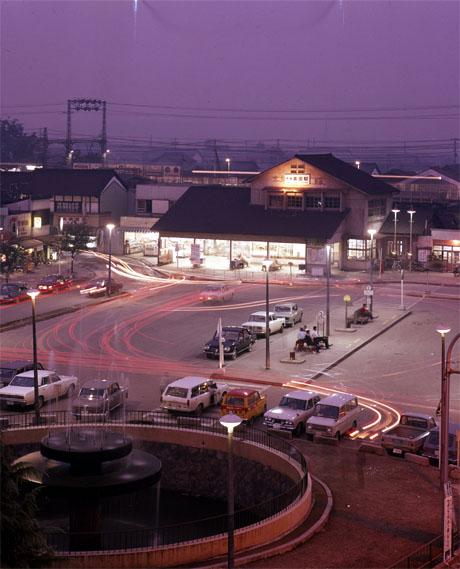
{"x":345,"y":172}
{"x":451,"y":171}
{"x":42,"y":184}
{"x":227,"y":211}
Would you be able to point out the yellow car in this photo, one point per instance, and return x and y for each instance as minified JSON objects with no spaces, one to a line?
{"x":246,"y":403}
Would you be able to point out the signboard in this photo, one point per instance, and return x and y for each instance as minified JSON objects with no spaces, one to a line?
{"x":422,"y":255}
{"x":368,"y":291}
{"x":195,"y":253}
{"x":296,"y":179}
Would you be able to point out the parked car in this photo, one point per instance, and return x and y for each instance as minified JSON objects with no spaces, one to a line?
{"x":13,"y":292}
{"x":97,"y":398}
{"x":409,"y":434}
{"x":257,"y":325}
{"x":290,"y":311}
{"x":235,"y":341}
{"x":431,"y":445}
{"x":246,"y":403}
{"x":20,"y":390}
{"x":217,"y":293}
{"x":52,"y":283}
{"x":292,"y":412}
{"x":9,"y":369}
{"x":334,"y":416}
{"x":98,"y":287}
{"x":192,"y":394}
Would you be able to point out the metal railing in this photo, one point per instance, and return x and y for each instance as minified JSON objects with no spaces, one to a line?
{"x":65,"y":542}
{"x":428,"y":555}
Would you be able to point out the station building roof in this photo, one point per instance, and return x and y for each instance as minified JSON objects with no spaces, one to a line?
{"x":225,"y":212}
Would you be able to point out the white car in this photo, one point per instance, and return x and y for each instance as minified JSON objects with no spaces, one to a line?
{"x":257,"y":325}
{"x":50,"y":386}
{"x":292,"y":412}
{"x":192,"y":394}
{"x":217,"y":293}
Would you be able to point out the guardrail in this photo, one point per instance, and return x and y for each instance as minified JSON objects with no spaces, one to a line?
{"x":64,"y":542}
{"x":428,"y":555}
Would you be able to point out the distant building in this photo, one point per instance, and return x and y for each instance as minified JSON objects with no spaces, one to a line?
{"x":39,"y":203}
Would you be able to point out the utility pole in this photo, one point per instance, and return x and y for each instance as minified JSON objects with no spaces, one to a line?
{"x":455,"y":140}
{"x":104,"y":129}
{"x":68,"y":143}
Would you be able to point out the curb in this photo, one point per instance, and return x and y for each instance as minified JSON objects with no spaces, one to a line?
{"x":359,"y":346}
{"x":242,"y":559}
{"x":14,"y":324}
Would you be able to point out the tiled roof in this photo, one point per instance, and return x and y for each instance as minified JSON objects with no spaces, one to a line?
{"x":341,"y":170}
{"x":426,"y":216}
{"x":226,"y":211}
{"x":41,"y":184}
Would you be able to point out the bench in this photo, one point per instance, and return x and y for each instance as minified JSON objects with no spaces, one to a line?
{"x":358,"y":319}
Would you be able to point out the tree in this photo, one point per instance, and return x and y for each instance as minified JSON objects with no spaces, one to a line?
{"x":22,"y":542}
{"x":16,"y":145}
{"x":11,"y":255}
{"x":75,"y":239}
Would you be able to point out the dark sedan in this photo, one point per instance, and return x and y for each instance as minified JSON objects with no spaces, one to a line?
{"x":13,"y":292}
{"x":235,"y":340}
{"x":53,"y":283}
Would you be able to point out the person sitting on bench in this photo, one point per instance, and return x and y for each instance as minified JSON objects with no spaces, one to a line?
{"x":309,"y":341}
{"x":364,"y":312}
{"x":317,"y":339}
{"x":300,"y":343}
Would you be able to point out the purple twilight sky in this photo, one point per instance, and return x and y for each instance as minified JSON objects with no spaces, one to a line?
{"x":231,"y":70}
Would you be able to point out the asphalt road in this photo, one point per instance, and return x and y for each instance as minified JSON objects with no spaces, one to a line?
{"x":157,"y":334}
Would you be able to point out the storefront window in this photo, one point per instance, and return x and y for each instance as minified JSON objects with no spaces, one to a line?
{"x":276,"y":201}
{"x":359,"y":249}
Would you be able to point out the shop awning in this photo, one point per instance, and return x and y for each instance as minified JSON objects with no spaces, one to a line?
{"x":32,"y":244}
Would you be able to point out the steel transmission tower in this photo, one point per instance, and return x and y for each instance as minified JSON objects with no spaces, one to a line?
{"x":87,"y":105}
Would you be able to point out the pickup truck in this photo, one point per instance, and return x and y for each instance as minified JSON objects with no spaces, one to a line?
{"x":409,"y":435}
{"x":51,"y":386}
{"x":256,"y":323}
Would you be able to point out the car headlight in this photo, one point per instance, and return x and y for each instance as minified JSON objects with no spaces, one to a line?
{"x":269,"y":419}
{"x":310,"y":427}
{"x":207,"y":347}
{"x":290,"y":423}
{"x":227,"y":349}
{"x":329,"y":430}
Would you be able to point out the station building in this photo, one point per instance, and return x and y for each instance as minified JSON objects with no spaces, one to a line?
{"x":289,"y":212}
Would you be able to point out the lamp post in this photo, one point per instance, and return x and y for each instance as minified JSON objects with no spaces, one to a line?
{"x":33,"y":293}
{"x":110,"y":227}
{"x":395,"y":211}
{"x":105,"y":156}
{"x":230,"y":422}
{"x":411,"y":221}
{"x":70,"y":158}
{"x":267,"y":263}
{"x":228,"y":167}
{"x":328,"y":270}
{"x":346,"y":300}
{"x":357,"y":164}
{"x":371,"y":232}
{"x":444,"y":431}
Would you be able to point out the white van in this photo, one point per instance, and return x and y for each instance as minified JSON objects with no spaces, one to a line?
{"x":192,"y":394}
{"x":334,"y":416}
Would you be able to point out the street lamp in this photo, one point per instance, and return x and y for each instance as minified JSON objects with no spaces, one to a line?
{"x":395,"y":211}
{"x":357,"y":164}
{"x":230,"y":422}
{"x":444,"y":431}
{"x":110,"y":227}
{"x":33,"y":293}
{"x":328,"y":270}
{"x":70,"y":157}
{"x":371,"y":232}
{"x":267,"y":263}
{"x":228,"y":167}
{"x":411,"y":221}
{"x":105,"y":156}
